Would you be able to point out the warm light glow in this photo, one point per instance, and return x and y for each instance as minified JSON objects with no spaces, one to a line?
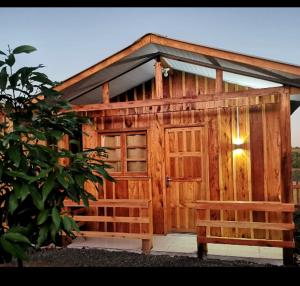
{"x":238,"y":151}
{"x":238,"y":141}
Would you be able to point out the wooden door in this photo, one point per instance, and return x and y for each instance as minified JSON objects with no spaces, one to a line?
{"x":184,"y":176}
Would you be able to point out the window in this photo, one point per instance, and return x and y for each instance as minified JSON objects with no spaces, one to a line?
{"x":127,"y":152}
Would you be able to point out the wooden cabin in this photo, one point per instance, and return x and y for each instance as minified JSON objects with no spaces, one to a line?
{"x":200,"y":142}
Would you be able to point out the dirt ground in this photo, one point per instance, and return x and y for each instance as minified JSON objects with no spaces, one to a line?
{"x":66,"y":257}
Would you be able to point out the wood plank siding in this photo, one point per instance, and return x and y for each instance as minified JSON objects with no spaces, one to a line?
{"x":254,"y":173}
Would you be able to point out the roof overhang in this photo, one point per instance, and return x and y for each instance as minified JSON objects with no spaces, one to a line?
{"x":284,"y":70}
{"x":125,"y":68}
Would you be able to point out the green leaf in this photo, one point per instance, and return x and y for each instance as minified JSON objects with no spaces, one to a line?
{"x":26,"y":72}
{"x":14,"y":153}
{"x":10,"y":60}
{"x":74,"y":225}
{"x":43,"y":234}
{"x":48,"y":186}
{"x":24,"y":49}
{"x":2,"y":63}
{"x":10,"y":137}
{"x":2,"y":53}
{"x":12,"y":248}
{"x":42,"y":217}
{"x":3,"y":78}
{"x":61,"y":179}
{"x":25,"y":191}
{"x":20,"y":229}
{"x":40,"y":135}
{"x":37,"y":199}
{"x":55,"y":217}
{"x":79,"y":179}
{"x":85,"y":200}
{"x":19,"y":175}
{"x":56,"y":134}
{"x":104,"y":173}
{"x":67,"y":224}
{"x":13,"y":80}
{"x":42,"y":174}
{"x":21,"y":191}
{"x":16,"y":237}
{"x":12,"y":203}
{"x":53,"y":231}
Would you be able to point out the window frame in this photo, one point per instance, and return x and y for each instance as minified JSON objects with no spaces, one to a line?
{"x":124,"y":156}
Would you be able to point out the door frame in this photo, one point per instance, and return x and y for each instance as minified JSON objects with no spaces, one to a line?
{"x":164,"y":127}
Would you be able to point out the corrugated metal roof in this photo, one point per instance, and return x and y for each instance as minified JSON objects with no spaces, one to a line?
{"x":138,"y":67}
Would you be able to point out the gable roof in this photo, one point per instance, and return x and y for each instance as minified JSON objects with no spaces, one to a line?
{"x":134,"y":65}
{"x":280,"y":72}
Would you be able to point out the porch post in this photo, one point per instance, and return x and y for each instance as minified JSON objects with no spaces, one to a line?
{"x":105,"y":92}
{"x":158,"y":80}
{"x":219,"y":81}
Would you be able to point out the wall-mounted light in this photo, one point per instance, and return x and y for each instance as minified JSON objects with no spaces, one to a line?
{"x":238,"y":141}
{"x":165,"y":71}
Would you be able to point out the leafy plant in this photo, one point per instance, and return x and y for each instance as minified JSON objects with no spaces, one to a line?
{"x":33,"y":181}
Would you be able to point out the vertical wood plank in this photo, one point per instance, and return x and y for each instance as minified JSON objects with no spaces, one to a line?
{"x":241,"y":171}
{"x":213,"y":159}
{"x":156,"y":170}
{"x":226,"y":165}
{"x":190,"y":85}
{"x":273,"y":149}
{"x":286,"y":171}
{"x":122,"y":193}
{"x":89,"y":141}
{"x":257,"y":163}
{"x":177,"y":84}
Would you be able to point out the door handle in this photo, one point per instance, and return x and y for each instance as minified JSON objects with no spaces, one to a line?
{"x":168,"y":181}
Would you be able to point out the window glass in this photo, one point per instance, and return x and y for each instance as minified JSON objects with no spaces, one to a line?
{"x":136,"y":140}
{"x":136,"y":166}
{"x":126,"y":151}
{"x":111,"y":141}
{"x":136,"y":153}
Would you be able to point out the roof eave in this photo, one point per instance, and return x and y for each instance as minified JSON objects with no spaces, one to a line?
{"x":199,"y":49}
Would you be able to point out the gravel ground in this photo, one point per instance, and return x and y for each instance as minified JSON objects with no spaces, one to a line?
{"x":66,"y":257}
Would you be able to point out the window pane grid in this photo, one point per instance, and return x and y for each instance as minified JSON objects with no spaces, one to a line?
{"x":127,"y":152}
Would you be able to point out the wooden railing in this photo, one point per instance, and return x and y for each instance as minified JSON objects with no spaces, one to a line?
{"x":204,"y":223}
{"x":145,"y":218}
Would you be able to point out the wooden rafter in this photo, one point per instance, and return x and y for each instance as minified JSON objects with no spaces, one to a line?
{"x":213,"y":61}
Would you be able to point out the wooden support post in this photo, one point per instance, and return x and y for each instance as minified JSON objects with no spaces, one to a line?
{"x":146,"y":246}
{"x":286,"y":170}
{"x":219,"y":81}
{"x":201,"y":232}
{"x":201,"y":250}
{"x":105,"y":92}
{"x":158,"y":80}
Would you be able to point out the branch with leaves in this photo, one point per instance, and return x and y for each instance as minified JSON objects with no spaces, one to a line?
{"x":33,"y":182}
